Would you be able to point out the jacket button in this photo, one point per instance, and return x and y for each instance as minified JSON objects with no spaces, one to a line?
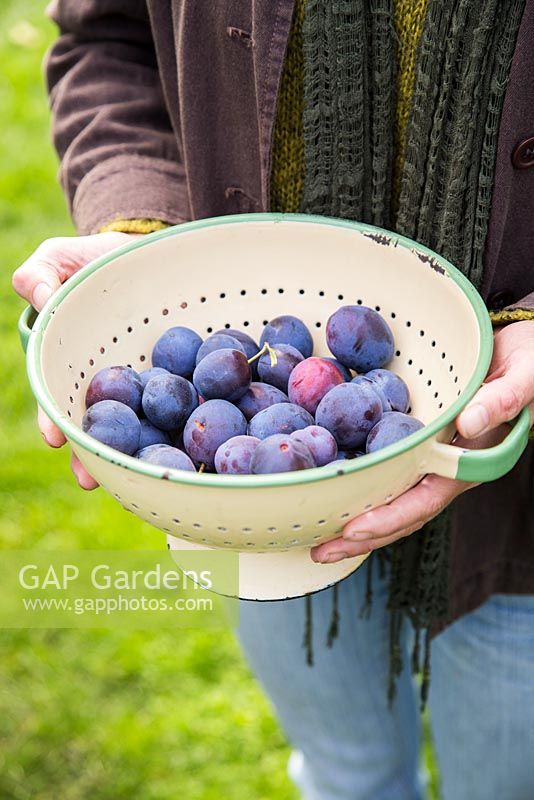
{"x":498,"y":300}
{"x":523,"y":154}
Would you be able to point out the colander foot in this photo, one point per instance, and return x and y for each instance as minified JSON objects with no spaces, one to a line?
{"x":278,"y":575}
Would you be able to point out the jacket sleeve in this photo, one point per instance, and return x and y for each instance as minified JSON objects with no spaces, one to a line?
{"x":119,"y":154}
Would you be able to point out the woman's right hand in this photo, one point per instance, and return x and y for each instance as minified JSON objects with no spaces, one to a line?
{"x":39,"y":277}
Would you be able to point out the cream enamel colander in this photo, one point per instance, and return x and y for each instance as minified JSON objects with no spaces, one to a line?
{"x":241,"y":271}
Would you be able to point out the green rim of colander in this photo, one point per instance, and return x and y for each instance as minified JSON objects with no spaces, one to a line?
{"x":72,"y":432}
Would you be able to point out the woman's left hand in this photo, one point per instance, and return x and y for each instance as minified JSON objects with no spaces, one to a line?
{"x":508,"y":388}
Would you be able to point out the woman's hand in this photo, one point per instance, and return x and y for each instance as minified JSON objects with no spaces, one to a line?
{"x":509,"y":387}
{"x":38,"y":278}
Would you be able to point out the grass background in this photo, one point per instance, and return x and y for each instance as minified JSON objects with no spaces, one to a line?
{"x":98,"y":714}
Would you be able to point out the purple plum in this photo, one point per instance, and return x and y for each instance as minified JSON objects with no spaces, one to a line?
{"x":360,"y":338}
{"x":234,"y":456}
{"x":281,"y":453}
{"x":349,"y":411}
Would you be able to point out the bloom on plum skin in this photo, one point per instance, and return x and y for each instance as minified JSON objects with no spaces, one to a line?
{"x":360,"y":338}
{"x":281,"y":453}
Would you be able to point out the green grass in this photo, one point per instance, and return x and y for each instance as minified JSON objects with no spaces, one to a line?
{"x":97,"y":714}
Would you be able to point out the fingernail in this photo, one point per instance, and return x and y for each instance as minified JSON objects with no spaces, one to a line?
{"x":41,"y":294}
{"x":331,"y":558}
{"x":475,"y":420}
{"x":358,"y":536}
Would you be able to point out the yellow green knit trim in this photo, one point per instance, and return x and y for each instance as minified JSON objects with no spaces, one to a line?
{"x":516,"y":315}
{"x":134,"y":226}
{"x":409,"y":20}
{"x":287,"y":176}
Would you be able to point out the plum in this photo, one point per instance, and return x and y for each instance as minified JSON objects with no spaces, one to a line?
{"x":347,"y":374}
{"x":360,"y":338}
{"x":281,"y":453}
{"x":279,"y":418}
{"x":176,"y":351}
{"x":349,"y":411}
{"x":287,"y":358}
{"x":146,"y":374}
{"x":209,"y":426}
{"x":163,"y":455}
{"x":259,"y":396}
{"x":250,"y":346}
{"x":115,"y":383}
{"x":168,"y":401}
{"x":152,"y":435}
{"x":393,"y":427}
{"x":218,"y":341}
{"x":393,"y":388}
{"x":321,"y":443}
{"x":363,"y":380}
{"x":113,"y":423}
{"x":234,"y":456}
{"x":223,"y":375}
{"x":288,"y":330}
{"x":310,"y":381}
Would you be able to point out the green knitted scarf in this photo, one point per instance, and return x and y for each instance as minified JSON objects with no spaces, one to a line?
{"x":461,"y":72}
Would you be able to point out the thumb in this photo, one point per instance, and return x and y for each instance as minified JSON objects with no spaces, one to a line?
{"x":498,"y":401}
{"x":36,"y":282}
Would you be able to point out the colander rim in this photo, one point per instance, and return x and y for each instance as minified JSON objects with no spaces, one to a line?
{"x":76,"y":434}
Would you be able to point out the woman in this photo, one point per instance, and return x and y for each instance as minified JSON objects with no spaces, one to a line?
{"x":415,"y":115}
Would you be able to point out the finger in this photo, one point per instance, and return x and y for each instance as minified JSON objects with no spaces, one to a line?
{"x":338,"y":549}
{"x":85,"y":480}
{"x":414,"y":507}
{"x":50,"y":432}
{"x":498,"y":401}
{"x":366,"y":546}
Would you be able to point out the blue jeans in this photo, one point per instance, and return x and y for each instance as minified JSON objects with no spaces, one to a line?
{"x":349,"y":745}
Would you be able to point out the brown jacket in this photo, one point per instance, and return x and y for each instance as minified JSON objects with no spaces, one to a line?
{"x":165,"y":109}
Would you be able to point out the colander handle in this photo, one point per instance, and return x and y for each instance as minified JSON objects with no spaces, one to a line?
{"x":482,"y":465}
{"x":25,"y":325}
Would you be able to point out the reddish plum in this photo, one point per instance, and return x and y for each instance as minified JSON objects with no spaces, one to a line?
{"x":311,"y":380}
{"x":347,"y":374}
